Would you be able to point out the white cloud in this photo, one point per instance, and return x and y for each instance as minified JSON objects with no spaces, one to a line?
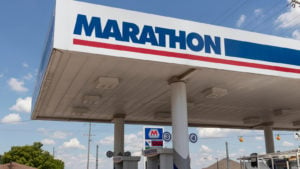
{"x":218,"y":132}
{"x":54,"y":134}
{"x":133,"y":142}
{"x":259,"y":138}
{"x":25,"y":65}
{"x":289,"y":19}
{"x":42,"y":130}
{"x":22,"y":105}
{"x":205,"y":149}
{"x":296,"y":34}
{"x":241,"y":20}
{"x":287,"y":144}
{"x":17,"y":85}
{"x":60,"y":135}
{"x":11,"y":118}
{"x":73,"y":143}
{"x":28,"y":76}
{"x":258,"y":12}
{"x":48,"y":141}
{"x":107,"y":140}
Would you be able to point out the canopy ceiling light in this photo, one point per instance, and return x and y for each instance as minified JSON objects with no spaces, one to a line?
{"x":214,"y":92}
{"x":281,"y":112}
{"x":107,"y":83}
{"x":296,"y":123}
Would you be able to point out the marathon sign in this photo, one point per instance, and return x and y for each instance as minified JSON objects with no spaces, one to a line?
{"x":113,"y":32}
{"x":153,"y":133}
{"x":146,"y":34}
{"x":153,"y":137}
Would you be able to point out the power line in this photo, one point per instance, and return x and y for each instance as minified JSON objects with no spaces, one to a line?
{"x":254,"y":21}
{"x":231,"y":11}
{"x":272,"y":15}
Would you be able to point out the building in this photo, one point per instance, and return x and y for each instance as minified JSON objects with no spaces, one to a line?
{"x":222,"y":164}
{"x":14,"y":165}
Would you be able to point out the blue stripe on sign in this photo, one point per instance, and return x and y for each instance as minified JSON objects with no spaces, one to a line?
{"x":261,"y":52}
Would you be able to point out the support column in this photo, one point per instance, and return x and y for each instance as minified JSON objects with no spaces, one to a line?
{"x":269,"y":139}
{"x":180,"y":125}
{"x":118,"y":138}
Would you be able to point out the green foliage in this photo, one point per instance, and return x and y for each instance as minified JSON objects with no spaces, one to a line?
{"x":33,"y":156}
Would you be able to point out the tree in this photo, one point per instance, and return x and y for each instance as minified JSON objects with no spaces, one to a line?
{"x":33,"y":156}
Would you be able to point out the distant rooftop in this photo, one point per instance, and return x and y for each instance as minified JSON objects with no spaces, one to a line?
{"x":14,"y":165}
{"x":222,"y":164}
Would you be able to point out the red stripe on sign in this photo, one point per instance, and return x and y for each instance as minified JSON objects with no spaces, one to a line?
{"x":181,"y":55}
{"x":156,"y":143}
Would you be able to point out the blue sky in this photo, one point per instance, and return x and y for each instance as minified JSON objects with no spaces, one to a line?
{"x":23,"y":32}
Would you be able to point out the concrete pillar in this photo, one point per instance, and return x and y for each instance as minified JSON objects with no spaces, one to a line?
{"x":180,"y":125}
{"x":269,"y":139}
{"x":118,"y":138}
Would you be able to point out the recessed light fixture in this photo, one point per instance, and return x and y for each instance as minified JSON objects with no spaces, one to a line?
{"x":296,"y":123}
{"x":79,"y":111}
{"x":281,"y":112}
{"x":214,"y":92}
{"x":107,"y":83}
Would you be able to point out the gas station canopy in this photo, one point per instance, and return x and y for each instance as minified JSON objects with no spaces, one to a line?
{"x":100,"y":62}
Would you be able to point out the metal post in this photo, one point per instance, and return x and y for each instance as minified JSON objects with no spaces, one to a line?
{"x":97,"y":151}
{"x":269,"y":140}
{"x":89,"y":144}
{"x":118,"y":138}
{"x":180,"y":125}
{"x":217,"y":163}
{"x":297,"y":156}
{"x":227,"y":155}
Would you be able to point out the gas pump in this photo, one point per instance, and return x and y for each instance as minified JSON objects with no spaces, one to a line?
{"x":254,"y":160}
{"x":159,"y":158}
{"x":124,"y":162}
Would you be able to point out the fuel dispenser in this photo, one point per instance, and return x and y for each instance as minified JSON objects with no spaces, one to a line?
{"x":159,"y":158}
{"x":254,"y":160}
{"x":124,"y":162}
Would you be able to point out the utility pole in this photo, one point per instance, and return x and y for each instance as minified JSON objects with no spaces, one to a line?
{"x":97,"y":151}
{"x":89,"y":143}
{"x":227,"y":155}
{"x":53,"y":152}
